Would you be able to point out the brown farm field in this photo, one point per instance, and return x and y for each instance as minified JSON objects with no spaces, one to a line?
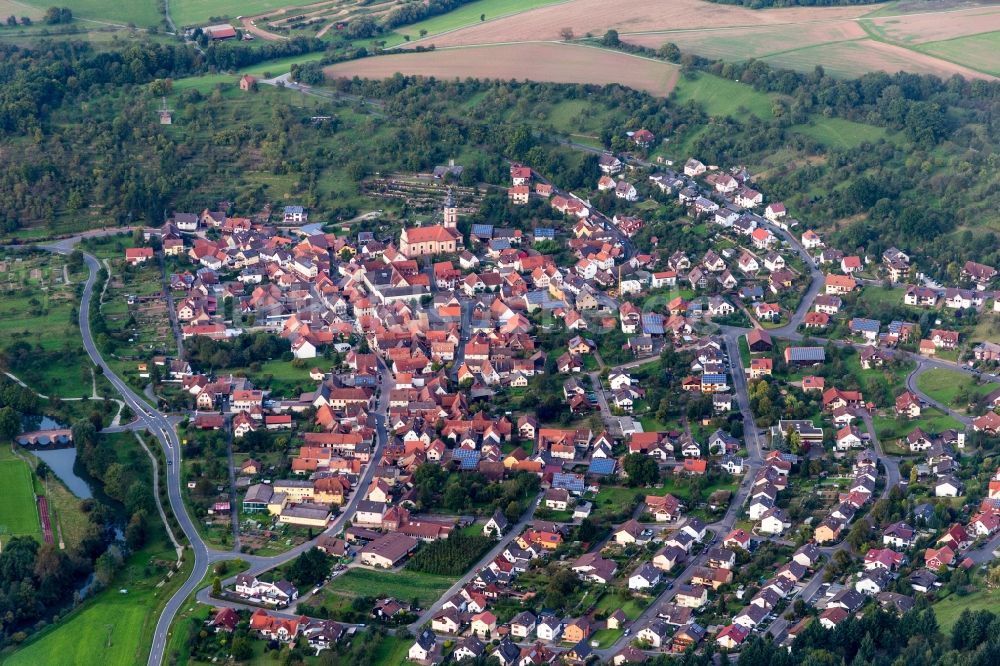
{"x":847,"y":41}
{"x":597,"y":16}
{"x":553,"y":62}
{"x":935,"y":26}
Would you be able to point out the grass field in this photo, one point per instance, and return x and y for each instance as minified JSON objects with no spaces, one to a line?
{"x":943,"y":385}
{"x":722,"y":97}
{"x":751,"y":41}
{"x":19,"y":9}
{"x":18,"y":512}
{"x":391,"y":651}
{"x":840,"y":133}
{"x":931,"y":421}
{"x":853,"y":58}
{"x":404,"y":585}
{"x":107,"y":631}
{"x":469,"y":15}
{"x":200,"y":12}
{"x":950,"y":608}
{"x":142,"y":13}
{"x":976,"y":51}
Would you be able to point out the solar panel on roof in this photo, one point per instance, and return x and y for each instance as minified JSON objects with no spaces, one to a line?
{"x":602,"y":466}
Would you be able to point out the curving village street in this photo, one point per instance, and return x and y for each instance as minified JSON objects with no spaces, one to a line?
{"x":162,"y":426}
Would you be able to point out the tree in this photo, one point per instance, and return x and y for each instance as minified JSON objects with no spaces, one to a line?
{"x":309,"y":568}
{"x":642,"y":470}
{"x":611,"y":38}
{"x":566,"y":34}
{"x":10,"y":423}
{"x":482,"y":17}
{"x":216,"y":586}
{"x":242,"y":649}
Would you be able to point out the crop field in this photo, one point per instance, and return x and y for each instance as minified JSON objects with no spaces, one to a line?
{"x":856,"y":57}
{"x":18,"y":514}
{"x":742,"y":42}
{"x":934,"y":26}
{"x":632,"y":16}
{"x":843,"y":40}
{"x":557,"y":63}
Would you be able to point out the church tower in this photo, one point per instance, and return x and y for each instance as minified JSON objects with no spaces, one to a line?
{"x":450,"y":211}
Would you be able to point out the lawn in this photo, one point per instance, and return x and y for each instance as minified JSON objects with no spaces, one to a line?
{"x":950,"y":608}
{"x":404,"y":585}
{"x":721,"y":97}
{"x":931,"y":421}
{"x":609,"y":603}
{"x":18,"y":512}
{"x":106,"y":632}
{"x":943,"y":385}
{"x":391,"y":651}
{"x":840,"y":133}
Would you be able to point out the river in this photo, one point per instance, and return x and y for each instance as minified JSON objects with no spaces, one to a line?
{"x":60,"y":461}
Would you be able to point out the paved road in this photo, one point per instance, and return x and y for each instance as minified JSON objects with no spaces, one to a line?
{"x":157,"y":424}
{"x":162,"y":427}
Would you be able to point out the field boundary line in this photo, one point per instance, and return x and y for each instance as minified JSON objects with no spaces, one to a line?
{"x":810,"y":46}
{"x":725,"y":28}
{"x":558,"y":42}
{"x":954,"y":62}
{"x":877,"y":37}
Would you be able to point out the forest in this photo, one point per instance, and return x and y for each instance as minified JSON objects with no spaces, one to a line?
{"x":927,"y":187}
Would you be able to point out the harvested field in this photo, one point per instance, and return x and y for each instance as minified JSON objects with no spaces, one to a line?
{"x":866,"y":55}
{"x":741,"y":43}
{"x":597,"y":16}
{"x":935,"y":26}
{"x":553,"y":62}
{"x":980,"y":52}
{"x":845,"y":40}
